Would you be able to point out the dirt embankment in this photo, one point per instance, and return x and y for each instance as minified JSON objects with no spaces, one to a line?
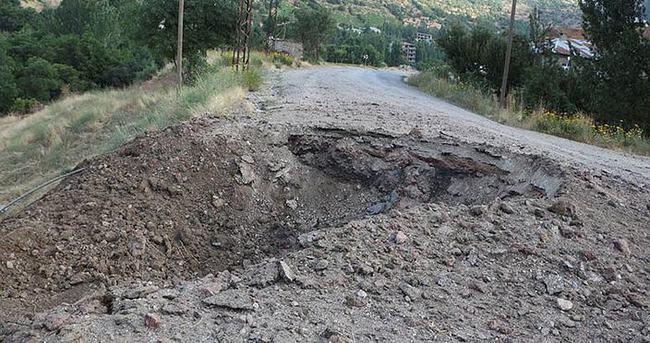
{"x":258,"y":232}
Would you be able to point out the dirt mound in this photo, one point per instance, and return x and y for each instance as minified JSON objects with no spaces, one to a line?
{"x":394,"y":228}
{"x":185,"y":202}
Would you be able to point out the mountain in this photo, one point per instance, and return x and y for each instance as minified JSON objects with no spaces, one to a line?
{"x":432,"y":12}
{"x":374,"y":12}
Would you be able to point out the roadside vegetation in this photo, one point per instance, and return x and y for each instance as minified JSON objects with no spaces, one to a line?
{"x":577,"y":126}
{"x":597,"y":99}
{"x":45,"y":144}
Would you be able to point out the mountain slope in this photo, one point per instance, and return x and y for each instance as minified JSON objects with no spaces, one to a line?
{"x":562,"y":12}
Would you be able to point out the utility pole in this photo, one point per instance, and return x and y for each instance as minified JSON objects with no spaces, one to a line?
{"x":506,"y":69}
{"x":179,"y":46}
{"x":270,"y":31}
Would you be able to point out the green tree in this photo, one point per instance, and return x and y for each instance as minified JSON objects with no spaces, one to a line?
{"x":208,"y":24}
{"x":315,"y":27}
{"x":38,"y":80}
{"x":13,"y":17}
{"x":8,"y":90}
{"x":478,"y":55}
{"x":619,"y":74}
{"x":395,"y":56}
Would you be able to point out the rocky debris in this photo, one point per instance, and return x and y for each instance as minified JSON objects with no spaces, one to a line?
{"x":174,"y":310}
{"x":564,"y":305}
{"x":264,"y":275}
{"x":55,"y":321}
{"x":285,"y":272}
{"x":321,"y":265}
{"x":387,"y":203}
{"x":139,"y":292}
{"x":623,"y":246}
{"x":234,"y":299}
{"x":477,"y":210}
{"x":400,"y":237}
{"x":479,"y":286}
{"x":246,"y":174}
{"x":506,"y":208}
{"x":152,"y":320}
{"x":499,"y":326}
{"x":356,"y":300}
{"x":412,"y":293}
{"x":563,"y":208}
{"x":326,"y":271}
{"x":292,"y":204}
{"x":554,"y":284}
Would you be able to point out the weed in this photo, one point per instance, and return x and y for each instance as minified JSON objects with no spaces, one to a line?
{"x":37,"y":147}
{"x":578,"y":127}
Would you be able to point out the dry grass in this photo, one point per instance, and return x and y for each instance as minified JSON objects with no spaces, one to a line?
{"x":575,"y":127}
{"x":40,"y":146}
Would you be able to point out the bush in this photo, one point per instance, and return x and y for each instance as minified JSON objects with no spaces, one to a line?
{"x":252,"y":79}
{"x":8,"y":90}
{"x":24,"y":106}
{"x":576,"y":127}
{"x":38,"y":80}
{"x":281,"y":59}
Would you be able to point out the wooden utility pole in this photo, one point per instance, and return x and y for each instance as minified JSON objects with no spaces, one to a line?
{"x":179,"y":46}
{"x":506,"y":69}
{"x":270,"y":31}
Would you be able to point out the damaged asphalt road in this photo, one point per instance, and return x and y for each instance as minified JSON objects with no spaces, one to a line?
{"x":347,"y":208}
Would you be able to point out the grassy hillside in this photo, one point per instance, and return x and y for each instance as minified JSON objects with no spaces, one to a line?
{"x":45,"y":144}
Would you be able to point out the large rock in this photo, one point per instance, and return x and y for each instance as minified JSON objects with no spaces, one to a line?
{"x":234,"y":299}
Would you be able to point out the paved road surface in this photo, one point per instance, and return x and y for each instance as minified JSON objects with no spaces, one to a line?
{"x":370,"y":99}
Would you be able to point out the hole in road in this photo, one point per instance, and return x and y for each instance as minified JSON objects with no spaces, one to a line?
{"x":182,"y":207}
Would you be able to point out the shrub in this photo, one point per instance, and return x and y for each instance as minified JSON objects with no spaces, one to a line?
{"x":8,"y":90}
{"x":38,"y":80}
{"x":24,"y":106}
{"x":281,"y":59}
{"x":576,"y":127}
{"x":252,"y":79}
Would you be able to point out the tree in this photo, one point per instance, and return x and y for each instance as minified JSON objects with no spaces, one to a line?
{"x":13,"y":17}
{"x":208,"y":24}
{"x":619,"y":74}
{"x":8,"y":90}
{"x":315,"y":27}
{"x":478,"y":55}
{"x":38,"y":80}
{"x":395,"y":56}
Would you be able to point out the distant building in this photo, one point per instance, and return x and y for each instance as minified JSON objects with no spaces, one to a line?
{"x":565,"y":48}
{"x":409,"y":51}
{"x":374,"y":29}
{"x":291,"y":48}
{"x":423,"y":37}
{"x":422,"y":21}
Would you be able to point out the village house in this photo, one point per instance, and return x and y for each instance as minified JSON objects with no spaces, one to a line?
{"x":421,"y":36}
{"x":568,"y":43}
{"x":409,"y":51}
{"x":291,"y":48}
